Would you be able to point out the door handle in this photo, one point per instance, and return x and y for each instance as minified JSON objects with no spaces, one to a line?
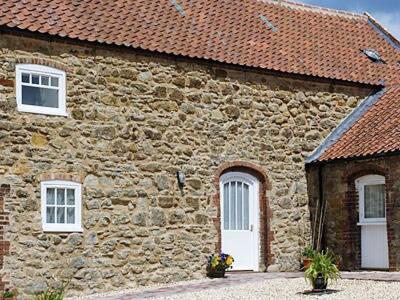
{"x":251,"y":227}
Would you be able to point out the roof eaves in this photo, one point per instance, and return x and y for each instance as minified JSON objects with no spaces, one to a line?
{"x":345,"y":125}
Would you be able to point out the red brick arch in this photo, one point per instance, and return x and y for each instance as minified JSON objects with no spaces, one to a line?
{"x":44,"y":62}
{"x":266,"y":235}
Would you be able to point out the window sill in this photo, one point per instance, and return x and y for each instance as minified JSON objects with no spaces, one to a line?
{"x":42,"y":112}
{"x":371,"y":223}
{"x":63,"y":229}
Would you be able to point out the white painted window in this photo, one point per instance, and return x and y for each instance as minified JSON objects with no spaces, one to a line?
{"x":236,"y":205}
{"x":372,"y":203}
{"x":40,"y":89}
{"x":61,"y":206}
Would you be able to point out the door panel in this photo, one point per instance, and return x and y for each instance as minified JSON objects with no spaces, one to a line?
{"x":239,"y":220}
{"x":374,"y":247}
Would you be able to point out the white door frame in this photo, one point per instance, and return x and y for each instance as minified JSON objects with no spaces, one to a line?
{"x":254,"y":183}
{"x":373,"y":227}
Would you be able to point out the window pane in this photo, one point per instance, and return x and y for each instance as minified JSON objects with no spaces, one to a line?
{"x":35,"y":79}
{"x":70,"y":215}
{"x":374,"y":197}
{"x":239,"y":200}
{"x":39,"y":96}
{"x":233,"y":205}
{"x":245,"y":207}
{"x":25,"y":77}
{"x":54,"y":81}
{"x":60,"y":196}
{"x":71,"y":197}
{"x":226,"y":206}
{"x":50,"y":196}
{"x":50,"y":214}
{"x":61,"y":215}
{"x":45,"y":80}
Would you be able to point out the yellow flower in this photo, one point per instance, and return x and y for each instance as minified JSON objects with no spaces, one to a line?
{"x":214,"y":262}
{"x":229,"y":260}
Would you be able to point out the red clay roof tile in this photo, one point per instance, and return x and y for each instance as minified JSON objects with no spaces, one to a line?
{"x":376,"y":132}
{"x":304,"y":40}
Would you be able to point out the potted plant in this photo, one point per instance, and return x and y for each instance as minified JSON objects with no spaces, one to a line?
{"x":10,"y":294}
{"x":321,"y":270}
{"x":217,"y":264}
{"x":308,"y":255}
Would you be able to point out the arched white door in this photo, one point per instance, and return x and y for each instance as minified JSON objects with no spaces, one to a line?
{"x":240,"y":219}
{"x":372,"y":219}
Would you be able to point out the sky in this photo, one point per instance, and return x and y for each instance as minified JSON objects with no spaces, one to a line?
{"x":386,"y":12}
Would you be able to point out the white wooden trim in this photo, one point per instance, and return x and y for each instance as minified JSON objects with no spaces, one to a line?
{"x":360,"y":185}
{"x":371,"y":224}
{"x":77,"y":227}
{"x":254,"y":184}
{"x":41,"y":70}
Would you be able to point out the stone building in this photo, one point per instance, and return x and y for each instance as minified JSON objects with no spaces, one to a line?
{"x":102,"y":104}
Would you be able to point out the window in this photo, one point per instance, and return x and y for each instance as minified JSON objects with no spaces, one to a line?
{"x":371,"y":191}
{"x":40,"y":89}
{"x":61,"y":206}
{"x":373,"y":55}
{"x":236,"y":205}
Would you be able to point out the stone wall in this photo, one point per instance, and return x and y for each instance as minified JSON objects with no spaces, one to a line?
{"x":342,"y":234}
{"x":134,"y":119}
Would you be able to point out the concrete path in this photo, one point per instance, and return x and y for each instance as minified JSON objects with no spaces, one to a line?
{"x":234,"y":279}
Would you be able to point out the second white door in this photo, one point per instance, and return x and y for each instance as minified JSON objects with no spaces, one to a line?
{"x":374,"y":241}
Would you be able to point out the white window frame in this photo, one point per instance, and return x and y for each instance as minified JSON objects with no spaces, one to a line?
{"x":360,"y":185}
{"x":52,"y":227}
{"x":61,"y":110}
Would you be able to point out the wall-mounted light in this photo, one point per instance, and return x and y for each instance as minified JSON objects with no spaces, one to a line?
{"x":181,"y":179}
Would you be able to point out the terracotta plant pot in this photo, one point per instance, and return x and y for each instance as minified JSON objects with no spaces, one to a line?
{"x":319,"y":283}
{"x":306,"y":263}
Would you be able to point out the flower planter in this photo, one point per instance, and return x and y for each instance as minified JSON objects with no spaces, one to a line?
{"x":319,"y":283}
{"x":306,"y":263}
{"x":213,"y":273}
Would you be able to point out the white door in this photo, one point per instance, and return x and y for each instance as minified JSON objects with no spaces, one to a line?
{"x":239,"y":219}
{"x":374,"y":242}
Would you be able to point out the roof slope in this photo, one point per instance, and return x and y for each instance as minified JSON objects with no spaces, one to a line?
{"x":275,"y":35}
{"x":376,"y":132}
{"x":272,"y":34}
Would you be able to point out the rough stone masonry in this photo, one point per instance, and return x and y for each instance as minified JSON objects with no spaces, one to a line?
{"x":134,"y":119}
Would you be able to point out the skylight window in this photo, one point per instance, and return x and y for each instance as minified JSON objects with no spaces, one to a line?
{"x":268,"y":23}
{"x":373,"y":55}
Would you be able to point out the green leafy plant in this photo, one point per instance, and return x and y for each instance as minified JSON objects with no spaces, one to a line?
{"x":322,"y":265}
{"x":9,"y":294}
{"x":52,"y":294}
{"x":309,"y":252}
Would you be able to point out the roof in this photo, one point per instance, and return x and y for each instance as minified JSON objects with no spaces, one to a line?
{"x":275,"y":35}
{"x":372,"y":129}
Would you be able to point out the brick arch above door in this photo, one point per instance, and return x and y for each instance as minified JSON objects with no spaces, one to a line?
{"x":266,"y":235}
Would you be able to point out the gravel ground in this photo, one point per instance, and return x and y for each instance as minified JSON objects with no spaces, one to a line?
{"x":293,"y":289}
{"x":135,"y":290}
